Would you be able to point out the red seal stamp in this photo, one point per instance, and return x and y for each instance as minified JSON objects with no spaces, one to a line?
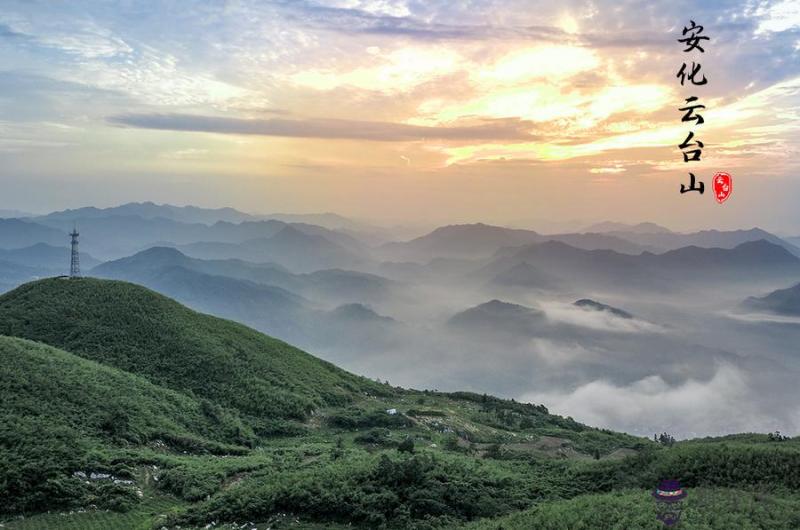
{"x":723,"y":186}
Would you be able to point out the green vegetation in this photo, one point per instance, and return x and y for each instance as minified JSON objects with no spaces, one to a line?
{"x":133,"y":412}
{"x":140,"y":517}
{"x":705,"y":508}
{"x":142,"y":332}
{"x":59,"y":411}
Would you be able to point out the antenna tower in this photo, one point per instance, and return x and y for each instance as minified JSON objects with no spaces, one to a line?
{"x":75,"y":260}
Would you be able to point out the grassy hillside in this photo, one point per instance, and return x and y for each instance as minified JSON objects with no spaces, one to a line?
{"x":177,"y":412}
{"x":60,"y":411}
{"x":705,"y":508}
{"x":142,"y":332}
{"x":443,"y":489}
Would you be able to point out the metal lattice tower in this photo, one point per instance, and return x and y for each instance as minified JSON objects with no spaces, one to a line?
{"x":75,"y":261}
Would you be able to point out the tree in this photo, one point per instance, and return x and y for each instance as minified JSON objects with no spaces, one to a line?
{"x":665,"y":439}
{"x":406,"y":446}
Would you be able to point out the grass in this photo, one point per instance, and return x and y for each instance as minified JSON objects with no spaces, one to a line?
{"x":213,"y":421}
{"x":703,"y":509}
{"x":139,"y":331}
{"x":140,"y":518}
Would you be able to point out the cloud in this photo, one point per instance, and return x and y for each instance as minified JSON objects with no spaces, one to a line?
{"x":725,"y":403}
{"x":325,"y":128}
{"x":779,"y":16}
{"x":434,"y":64}
{"x":398,"y":70}
{"x":399,"y":21}
{"x":598,"y":320}
{"x":7,"y":32}
{"x":608,"y":169}
{"x":82,"y":38}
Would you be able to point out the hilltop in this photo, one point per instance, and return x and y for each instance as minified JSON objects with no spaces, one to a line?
{"x":142,"y":332}
{"x":781,"y":302}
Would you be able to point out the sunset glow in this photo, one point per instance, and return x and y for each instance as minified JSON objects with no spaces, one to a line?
{"x":283,"y":91}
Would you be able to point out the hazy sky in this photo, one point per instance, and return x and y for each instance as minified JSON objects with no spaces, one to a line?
{"x":401,"y":111}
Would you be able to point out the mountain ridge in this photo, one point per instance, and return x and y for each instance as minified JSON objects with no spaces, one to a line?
{"x":780,"y":302}
{"x":99,"y":329}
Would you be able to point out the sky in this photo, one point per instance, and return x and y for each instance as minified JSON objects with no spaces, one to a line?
{"x":512,"y":112}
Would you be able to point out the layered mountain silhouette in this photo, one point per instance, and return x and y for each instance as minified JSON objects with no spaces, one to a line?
{"x":333,"y":285}
{"x":197,"y":284}
{"x":14,"y":274}
{"x":110,"y":233}
{"x":756,"y":260}
{"x":19,"y":233}
{"x":781,"y":302}
{"x":637,"y":228}
{"x":290,"y":247}
{"x":480,"y":240}
{"x":359,"y":313}
{"x":267,"y":297}
{"x":524,"y":274}
{"x":192,"y":214}
{"x":706,"y":239}
{"x":150,"y":210}
{"x":44,"y":256}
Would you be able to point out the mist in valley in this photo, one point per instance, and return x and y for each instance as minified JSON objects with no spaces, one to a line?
{"x":636,"y":328}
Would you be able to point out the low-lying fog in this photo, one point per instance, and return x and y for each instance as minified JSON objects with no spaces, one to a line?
{"x":690,"y":364}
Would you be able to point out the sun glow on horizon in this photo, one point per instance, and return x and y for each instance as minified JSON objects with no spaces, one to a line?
{"x":434,"y":100}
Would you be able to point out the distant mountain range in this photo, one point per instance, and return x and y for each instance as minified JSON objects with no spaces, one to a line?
{"x":477,"y":241}
{"x":21,"y":265}
{"x":276,"y":253}
{"x":149,"y":210}
{"x":333,"y":285}
{"x":523,"y":274}
{"x":639,"y":228}
{"x":794,"y":240}
{"x":14,"y":214}
{"x":194,"y":214}
{"x":20,"y":233}
{"x":706,"y":238}
{"x":265,"y":296}
{"x":291,"y":247}
{"x":480,"y":240}
{"x":756,"y":260}
{"x":14,"y":274}
{"x":360,"y":313}
{"x":116,"y":232}
{"x":110,"y":233}
{"x":44,"y":256}
{"x":780,"y":302}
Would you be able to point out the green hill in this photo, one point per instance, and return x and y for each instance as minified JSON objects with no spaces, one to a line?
{"x":59,"y":411}
{"x":139,"y":331}
{"x":130,"y":402}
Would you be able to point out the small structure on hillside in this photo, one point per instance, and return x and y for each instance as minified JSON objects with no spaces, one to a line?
{"x":75,"y":258}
